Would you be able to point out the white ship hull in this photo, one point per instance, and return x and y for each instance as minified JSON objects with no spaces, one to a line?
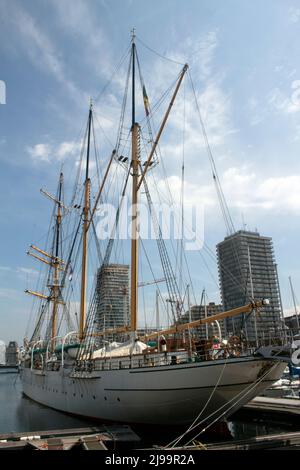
{"x":170,"y":394}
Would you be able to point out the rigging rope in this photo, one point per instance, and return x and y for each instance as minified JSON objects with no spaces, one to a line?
{"x":158,"y":54}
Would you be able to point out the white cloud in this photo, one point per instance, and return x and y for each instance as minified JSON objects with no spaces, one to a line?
{"x":27,"y":271}
{"x":247,"y":189}
{"x":67,"y":148}
{"x":19,"y":270}
{"x":203,"y":51}
{"x":40,"y":152}
{"x":216,"y":113}
{"x":49,"y":152}
{"x":215,"y":108}
{"x":243,"y":188}
{"x":281,"y":192}
{"x":92,"y":164}
{"x":294,"y":15}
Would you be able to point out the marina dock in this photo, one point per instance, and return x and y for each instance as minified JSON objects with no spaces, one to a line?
{"x":90,"y":438}
{"x":287,"y":406}
{"x":282,"y":441}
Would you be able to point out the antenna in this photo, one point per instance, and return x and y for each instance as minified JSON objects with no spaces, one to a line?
{"x":133,"y":35}
{"x":243,"y":222}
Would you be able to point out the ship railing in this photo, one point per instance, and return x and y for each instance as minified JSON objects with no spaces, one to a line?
{"x":60,"y":341}
{"x":68,"y":335}
{"x":144,"y":360}
{"x":33,"y":351}
{"x":168,"y":358}
{"x":50,"y":344}
{"x":44,"y":353}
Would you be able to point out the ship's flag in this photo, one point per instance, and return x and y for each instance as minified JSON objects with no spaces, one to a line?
{"x":146,"y":101}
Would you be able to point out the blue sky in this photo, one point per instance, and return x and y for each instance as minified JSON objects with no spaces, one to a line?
{"x":245,"y":65}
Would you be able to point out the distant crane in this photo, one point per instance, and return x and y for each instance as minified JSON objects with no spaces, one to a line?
{"x":148,"y":283}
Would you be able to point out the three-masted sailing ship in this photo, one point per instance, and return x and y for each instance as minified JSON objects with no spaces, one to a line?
{"x":113,"y":372}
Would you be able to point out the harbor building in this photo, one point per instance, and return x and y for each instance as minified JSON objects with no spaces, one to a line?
{"x":12,"y":354}
{"x":292,"y":322}
{"x":112,"y":298}
{"x":2,"y":353}
{"x":247,"y":269}
{"x":199,"y":312}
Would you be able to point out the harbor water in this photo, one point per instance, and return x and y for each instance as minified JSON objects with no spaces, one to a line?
{"x":21,"y":414}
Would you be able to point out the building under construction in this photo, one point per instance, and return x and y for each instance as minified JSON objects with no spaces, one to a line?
{"x":112,"y":298}
{"x":247,"y":270}
{"x":203,"y":311}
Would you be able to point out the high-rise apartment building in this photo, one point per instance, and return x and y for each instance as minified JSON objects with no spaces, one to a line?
{"x":247,"y":270}
{"x":112,"y":297}
{"x":199,"y":312}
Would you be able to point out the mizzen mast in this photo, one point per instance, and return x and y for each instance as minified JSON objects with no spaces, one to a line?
{"x":53,"y":260}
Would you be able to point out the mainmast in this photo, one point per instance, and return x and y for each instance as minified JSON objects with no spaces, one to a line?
{"x":137,"y":181}
{"x":135,"y":129}
{"x":87,"y":191}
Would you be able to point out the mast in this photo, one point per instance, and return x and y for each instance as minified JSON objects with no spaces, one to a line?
{"x":56,"y":263}
{"x":190,"y":319}
{"x":294,"y":302}
{"x":157,"y":317}
{"x":280,"y":303}
{"x":134,"y":214}
{"x":205,"y":313}
{"x":87,"y":190}
{"x":137,"y":181}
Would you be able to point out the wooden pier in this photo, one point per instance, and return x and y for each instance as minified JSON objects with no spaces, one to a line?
{"x":90,"y":438}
